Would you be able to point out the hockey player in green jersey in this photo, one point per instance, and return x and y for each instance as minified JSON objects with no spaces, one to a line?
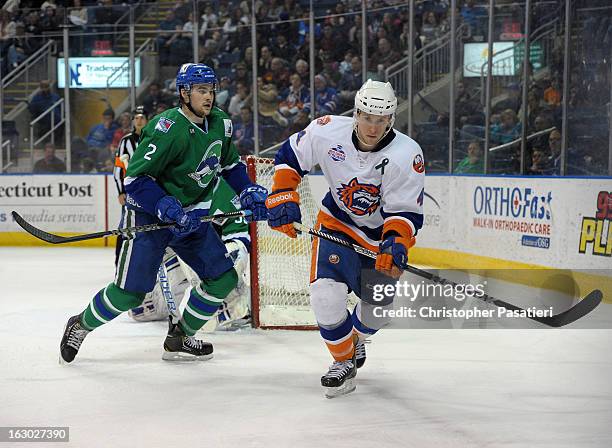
{"x":184,"y":156}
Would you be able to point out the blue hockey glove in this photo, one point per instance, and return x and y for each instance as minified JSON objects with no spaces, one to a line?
{"x":283,"y":211}
{"x":253,"y":198}
{"x":169,"y":210}
{"x":393,"y":256}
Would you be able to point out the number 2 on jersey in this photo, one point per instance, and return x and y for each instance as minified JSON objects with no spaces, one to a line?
{"x":149,"y":153}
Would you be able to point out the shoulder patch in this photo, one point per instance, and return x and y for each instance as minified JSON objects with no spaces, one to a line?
{"x":164,"y":124}
{"x":418,"y":164}
{"x":322,"y":121}
{"x":228,"y":127}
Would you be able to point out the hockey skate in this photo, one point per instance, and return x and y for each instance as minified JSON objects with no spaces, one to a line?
{"x":73,"y":337}
{"x":360,"y":354}
{"x":340,"y":378}
{"x":180,"y":347}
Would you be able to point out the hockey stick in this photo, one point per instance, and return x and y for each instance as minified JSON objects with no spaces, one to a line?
{"x":581,"y":309}
{"x":126,"y":232}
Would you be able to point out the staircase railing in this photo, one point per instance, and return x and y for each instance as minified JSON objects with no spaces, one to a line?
{"x":118,"y":72}
{"x":430,"y":63}
{"x":59,"y":103}
{"x":22,"y":72}
{"x":8,"y":145}
{"x":504,"y":64}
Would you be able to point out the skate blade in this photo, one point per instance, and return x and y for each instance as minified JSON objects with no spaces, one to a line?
{"x":184,"y":357}
{"x":348,"y":387}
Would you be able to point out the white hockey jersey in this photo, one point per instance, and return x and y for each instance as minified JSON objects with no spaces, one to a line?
{"x":370,"y":193}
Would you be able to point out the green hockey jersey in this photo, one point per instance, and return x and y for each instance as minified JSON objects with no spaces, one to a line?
{"x":184,"y":158}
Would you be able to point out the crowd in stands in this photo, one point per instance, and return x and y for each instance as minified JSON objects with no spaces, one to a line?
{"x":283,"y":82}
{"x":588,"y":106}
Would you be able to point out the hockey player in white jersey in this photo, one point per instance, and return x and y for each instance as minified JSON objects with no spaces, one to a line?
{"x":376,"y":184}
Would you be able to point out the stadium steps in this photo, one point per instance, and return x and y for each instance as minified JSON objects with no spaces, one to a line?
{"x":147,"y":23}
{"x":18,"y":93}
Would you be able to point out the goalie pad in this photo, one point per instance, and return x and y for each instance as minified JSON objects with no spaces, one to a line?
{"x":155,"y":305}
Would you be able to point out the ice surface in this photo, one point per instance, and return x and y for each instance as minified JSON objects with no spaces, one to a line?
{"x":419,"y":388}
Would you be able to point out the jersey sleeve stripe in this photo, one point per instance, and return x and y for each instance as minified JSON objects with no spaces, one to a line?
{"x":415,"y":219}
{"x":285,"y":178}
{"x":403,"y":226}
{"x":286,"y":156}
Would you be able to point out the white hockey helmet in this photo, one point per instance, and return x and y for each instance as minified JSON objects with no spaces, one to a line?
{"x":376,"y":98}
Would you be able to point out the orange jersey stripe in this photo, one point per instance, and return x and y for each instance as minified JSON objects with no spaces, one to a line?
{"x":400,"y":226}
{"x":285,"y":178}
{"x":332,"y":223}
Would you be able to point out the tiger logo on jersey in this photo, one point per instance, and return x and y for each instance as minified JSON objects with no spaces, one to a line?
{"x":360,"y":199}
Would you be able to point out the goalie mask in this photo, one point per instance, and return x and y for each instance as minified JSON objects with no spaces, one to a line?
{"x":375,"y":98}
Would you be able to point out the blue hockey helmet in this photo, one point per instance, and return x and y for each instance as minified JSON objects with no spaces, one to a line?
{"x":190,"y":74}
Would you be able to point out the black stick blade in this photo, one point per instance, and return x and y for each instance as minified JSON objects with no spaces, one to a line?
{"x":581,"y":309}
{"x":36,"y":232}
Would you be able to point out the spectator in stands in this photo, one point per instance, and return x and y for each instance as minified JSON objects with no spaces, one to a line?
{"x":265,"y":60}
{"x":244,"y":132}
{"x":384,"y":56}
{"x":552,"y":95}
{"x":20,"y":47}
{"x":467,"y":108}
{"x":241,"y":98}
{"x":293,"y":100}
{"x":351,"y":82}
{"x":181,"y":44}
{"x":326,"y":98}
{"x":328,"y":41}
{"x":169,"y":28}
{"x":217,"y":41}
{"x":405,"y":41}
{"x":509,"y":129}
{"x":222,"y":95}
{"x":41,"y":102}
{"x":248,"y":57}
{"x":473,"y":162}
{"x":283,"y":49}
{"x":208,"y":20}
{"x":242,"y":74}
{"x":542,"y":121}
{"x":511,"y":98}
{"x":538,"y":163}
{"x":430,"y":29}
{"x":278,"y":74}
{"x":100,"y":137}
{"x":473,"y":16}
{"x":77,"y":14}
{"x":330,"y":70}
{"x":268,"y":98}
{"x":49,"y":20}
{"x":345,"y":64}
{"x":154,"y":96}
{"x":533,"y":109}
{"x":302,"y":69}
{"x":33,"y":30}
{"x":50,"y":163}
{"x":125,"y":127}
{"x":554,"y":160}
{"x":182,"y":9}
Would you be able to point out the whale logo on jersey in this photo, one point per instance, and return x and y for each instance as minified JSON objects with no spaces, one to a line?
{"x":360,"y":199}
{"x":208,"y":166}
